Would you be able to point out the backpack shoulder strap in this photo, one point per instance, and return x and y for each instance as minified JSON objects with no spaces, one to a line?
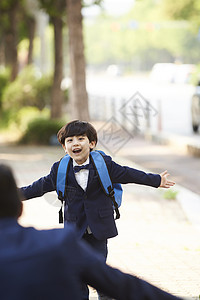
{"x":62,"y":176}
{"x":104,"y":177}
{"x":61,"y":181}
{"x":102,"y":171}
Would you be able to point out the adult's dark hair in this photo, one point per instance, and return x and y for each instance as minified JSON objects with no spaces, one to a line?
{"x":76,"y":128}
{"x":10,"y":200}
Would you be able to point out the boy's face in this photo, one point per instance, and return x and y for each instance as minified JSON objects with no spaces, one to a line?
{"x":78,"y":148}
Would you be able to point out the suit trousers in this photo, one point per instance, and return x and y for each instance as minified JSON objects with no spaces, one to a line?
{"x":100,"y":246}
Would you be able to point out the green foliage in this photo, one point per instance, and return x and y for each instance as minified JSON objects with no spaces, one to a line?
{"x":5,"y":7}
{"x":4,"y":80}
{"x":40,"y":131}
{"x":26,"y":115}
{"x":5,"y":117}
{"x":140,"y":38}
{"x":195,"y":77}
{"x":29,"y":89}
{"x":43,"y":88}
{"x":54,"y":8}
{"x":14,"y":124}
{"x":170,"y":194}
{"x":182,"y":10}
{"x":26,"y":98}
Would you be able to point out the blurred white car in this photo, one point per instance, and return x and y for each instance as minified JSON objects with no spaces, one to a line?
{"x":171,"y":73}
{"x":163,"y":72}
{"x":183,"y":73}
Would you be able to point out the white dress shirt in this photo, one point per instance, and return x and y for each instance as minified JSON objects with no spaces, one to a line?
{"x":82,"y":179}
{"x":82,"y":175}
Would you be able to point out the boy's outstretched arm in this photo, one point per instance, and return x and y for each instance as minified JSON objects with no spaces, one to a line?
{"x":165,"y":183}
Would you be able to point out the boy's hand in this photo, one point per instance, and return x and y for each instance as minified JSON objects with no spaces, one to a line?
{"x":165,"y":183}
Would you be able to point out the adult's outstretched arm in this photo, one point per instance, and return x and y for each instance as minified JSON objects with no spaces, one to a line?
{"x":114,"y":283}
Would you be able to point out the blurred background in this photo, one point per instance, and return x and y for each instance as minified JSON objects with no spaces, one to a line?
{"x":135,"y":61}
{"x":132,"y":68}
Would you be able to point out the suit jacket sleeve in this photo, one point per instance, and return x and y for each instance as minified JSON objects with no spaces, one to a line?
{"x":41,"y":186}
{"x":112,"y":282}
{"x":124,"y":174}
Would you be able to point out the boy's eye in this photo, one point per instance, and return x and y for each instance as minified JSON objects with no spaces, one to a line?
{"x":69,"y":140}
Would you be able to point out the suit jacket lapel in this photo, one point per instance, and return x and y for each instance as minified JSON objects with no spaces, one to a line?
{"x":71,"y":175}
{"x":92,"y":172}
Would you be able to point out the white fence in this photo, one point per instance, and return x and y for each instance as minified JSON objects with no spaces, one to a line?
{"x":136,"y":114}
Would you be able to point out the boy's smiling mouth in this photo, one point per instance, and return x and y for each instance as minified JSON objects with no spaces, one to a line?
{"x":76,"y":151}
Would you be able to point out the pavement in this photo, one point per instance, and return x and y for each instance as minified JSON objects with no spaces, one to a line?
{"x":157,"y":240}
{"x":161,"y":152}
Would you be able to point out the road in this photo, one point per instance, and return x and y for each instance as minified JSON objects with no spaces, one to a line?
{"x":184,"y":168}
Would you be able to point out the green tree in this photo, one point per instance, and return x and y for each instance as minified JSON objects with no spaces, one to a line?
{"x":183,"y":10}
{"x":140,"y":38}
{"x":9,"y":17}
{"x":16,"y":22}
{"x":56,"y":10}
{"x":28,"y":25}
{"x":78,"y":96}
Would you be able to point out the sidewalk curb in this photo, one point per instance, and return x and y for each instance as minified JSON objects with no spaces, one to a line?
{"x":190,"y":203}
{"x":190,"y":143}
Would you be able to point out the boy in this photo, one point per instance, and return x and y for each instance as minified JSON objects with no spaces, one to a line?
{"x":86,"y":204}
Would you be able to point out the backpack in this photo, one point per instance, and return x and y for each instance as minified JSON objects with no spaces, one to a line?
{"x":114,"y":191}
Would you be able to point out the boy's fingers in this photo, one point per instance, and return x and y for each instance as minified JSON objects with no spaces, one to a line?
{"x":164,"y":173}
{"x":165,"y":182}
{"x":170,"y":183}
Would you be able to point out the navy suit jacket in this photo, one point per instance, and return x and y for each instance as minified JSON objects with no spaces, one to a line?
{"x":50,"y":264}
{"x":91,"y":207}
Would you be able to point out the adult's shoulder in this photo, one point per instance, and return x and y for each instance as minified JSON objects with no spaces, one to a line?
{"x":66,"y":241}
{"x":52,"y":238}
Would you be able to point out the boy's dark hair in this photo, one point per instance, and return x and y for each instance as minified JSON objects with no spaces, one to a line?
{"x":10,"y":200}
{"x":76,"y":128}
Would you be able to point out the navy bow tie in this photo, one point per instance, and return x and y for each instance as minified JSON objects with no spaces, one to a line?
{"x":78,"y":168}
